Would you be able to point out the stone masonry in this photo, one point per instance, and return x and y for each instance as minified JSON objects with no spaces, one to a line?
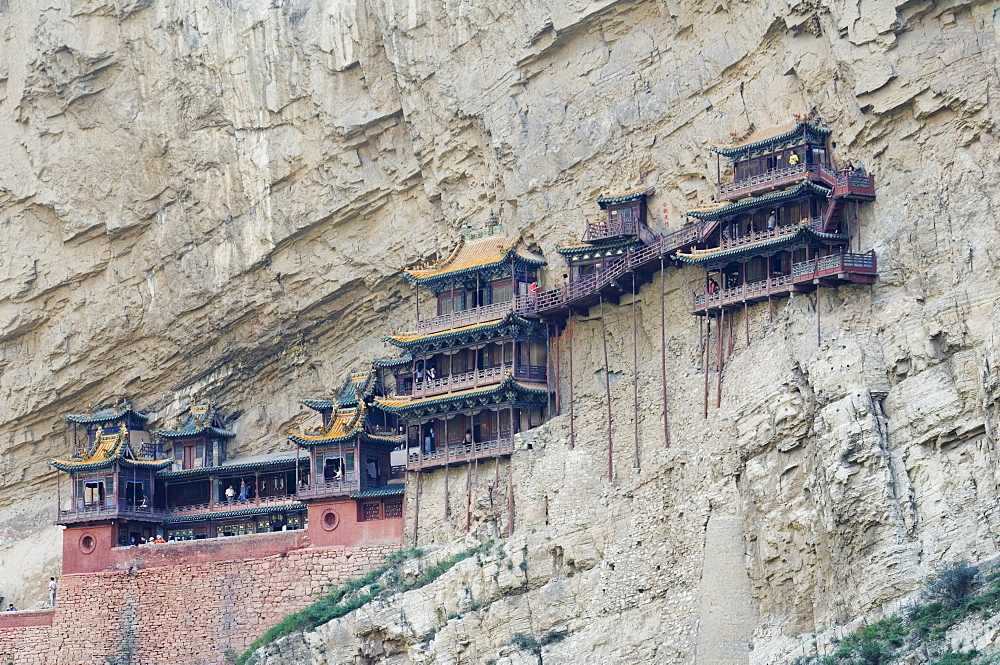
{"x":182,"y":614}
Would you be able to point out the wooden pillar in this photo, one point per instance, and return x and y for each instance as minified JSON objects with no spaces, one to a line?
{"x":720,"y":362}
{"x":663,"y":351}
{"x":58,"y":495}
{"x":416,"y":299}
{"x":496,"y":453}
{"x":635,"y":376}
{"x":607,"y":390}
{"x":569,"y":334}
{"x":819,"y":334}
{"x":416,"y":508}
{"x":296,"y":469}
{"x":510,"y":505}
{"x":708,"y":345}
{"x":257,"y":490}
{"x":468,"y":476}
{"x":447,"y":452}
{"x":558,"y":371}
{"x":548,"y":374}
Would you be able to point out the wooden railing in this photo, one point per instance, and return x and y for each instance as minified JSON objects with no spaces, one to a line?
{"x":632,"y":259}
{"x":617,"y":227}
{"x":774,"y":177}
{"x":95,"y":512}
{"x":854,"y":183}
{"x":461,"y":381}
{"x":804,"y":271}
{"x":462,"y":451}
{"x":463,"y":317}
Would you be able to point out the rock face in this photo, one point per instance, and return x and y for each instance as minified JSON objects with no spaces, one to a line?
{"x":214,"y":199}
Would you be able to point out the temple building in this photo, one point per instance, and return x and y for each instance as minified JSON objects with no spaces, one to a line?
{"x":475,"y":372}
{"x":206,"y":494}
{"x":787,"y":223}
{"x":346,"y":476}
{"x":111,"y":488}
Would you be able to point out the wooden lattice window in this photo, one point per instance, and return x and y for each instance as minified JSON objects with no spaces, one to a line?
{"x":369,"y":512}
{"x":393,"y":509}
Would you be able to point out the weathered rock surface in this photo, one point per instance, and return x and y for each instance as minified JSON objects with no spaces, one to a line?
{"x":215,"y":198}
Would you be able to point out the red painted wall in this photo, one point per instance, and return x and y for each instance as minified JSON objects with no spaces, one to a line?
{"x":345,"y":529}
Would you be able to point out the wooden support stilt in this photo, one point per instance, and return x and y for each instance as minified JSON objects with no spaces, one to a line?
{"x":708,"y":345}
{"x":635,"y":376}
{"x":607,"y":390}
{"x":416,"y":509}
{"x":447,"y":452}
{"x":496,"y":456}
{"x":663,"y":352}
{"x":468,"y":496}
{"x":819,"y":334}
{"x":558,"y":371}
{"x":416,"y":300}
{"x":746,"y":320}
{"x":510,"y":505}
{"x":548,"y":370}
{"x":720,"y":362}
{"x":569,"y":334}
{"x":729,"y":336}
{"x":59,"y":494}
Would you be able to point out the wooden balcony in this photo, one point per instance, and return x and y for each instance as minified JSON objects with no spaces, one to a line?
{"x":464,"y":317}
{"x":482,"y":377}
{"x":832,"y":270}
{"x":854,"y":185}
{"x":762,"y":183}
{"x":99,"y":513}
{"x":637,"y":264}
{"x":460,"y":453}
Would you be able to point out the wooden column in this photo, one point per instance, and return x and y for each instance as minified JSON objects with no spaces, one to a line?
{"x":569,"y":334}
{"x":720,"y":362}
{"x":257,"y":491}
{"x":708,"y":345}
{"x":663,"y":351}
{"x":558,"y":371}
{"x":607,"y":390}
{"x":447,"y":453}
{"x":416,"y":508}
{"x":635,"y":376}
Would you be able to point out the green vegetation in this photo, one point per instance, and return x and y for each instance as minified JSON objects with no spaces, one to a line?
{"x":382,"y":582}
{"x":534,"y":644}
{"x":956,"y":594}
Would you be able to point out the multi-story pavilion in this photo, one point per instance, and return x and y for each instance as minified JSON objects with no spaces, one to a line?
{"x":475,"y":372}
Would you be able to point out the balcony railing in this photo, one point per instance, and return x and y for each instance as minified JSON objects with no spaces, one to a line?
{"x":802,"y":272}
{"x":774,"y":178}
{"x":854,"y":183}
{"x":482,"y":377}
{"x":95,"y":512}
{"x":463,"y":317}
{"x":461,"y":452}
{"x":616,"y":227}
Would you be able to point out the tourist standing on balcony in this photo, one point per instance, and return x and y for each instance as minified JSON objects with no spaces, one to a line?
{"x":11,"y":608}
{"x":230,"y":494}
{"x":52,"y":591}
{"x":468,"y":437}
{"x":772,"y":220}
{"x":243,"y":491}
{"x":793,"y":160}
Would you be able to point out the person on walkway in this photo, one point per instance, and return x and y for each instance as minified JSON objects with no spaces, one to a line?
{"x":11,"y":608}
{"x":243,"y":491}
{"x":230,"y":494}
{"x":772,"y":220}
{"x":52,"y":591}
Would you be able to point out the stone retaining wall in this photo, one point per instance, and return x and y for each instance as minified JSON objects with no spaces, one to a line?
{"x":178,"y":614}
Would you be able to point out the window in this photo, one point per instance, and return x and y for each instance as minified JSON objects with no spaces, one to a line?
{"x":369,"y":512}
{"x":393,"y":510}
{"x":502,"y":290}
{"x":93,"y":493}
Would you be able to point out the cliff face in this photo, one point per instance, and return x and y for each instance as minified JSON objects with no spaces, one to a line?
{"x":214,"y":198}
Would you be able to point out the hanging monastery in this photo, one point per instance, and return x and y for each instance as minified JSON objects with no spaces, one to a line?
{"x":170,"y":506}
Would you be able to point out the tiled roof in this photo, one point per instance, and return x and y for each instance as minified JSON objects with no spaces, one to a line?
{"x":395,"y":404}
{"x":472,"y":255}
{"x":237,"y":465}
{"x":405,"y":340}
{"x":745,"y":205}
{"x":395,"y":489}
{"x":402,"y":360}
{"x":634,"y":195}
{"x":106,"y":413}
{"x":703,"y":256}
{"x":768,"y":136}
{"x":111,"y":449}
{"x":232,"y":514}
{"x":201,"y":419}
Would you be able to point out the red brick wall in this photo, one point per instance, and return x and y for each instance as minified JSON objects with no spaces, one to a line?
{"x":181,"y":614}
{"x":24,"y":637}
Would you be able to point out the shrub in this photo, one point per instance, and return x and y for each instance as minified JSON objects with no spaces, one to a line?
{"x":954,"y":585}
